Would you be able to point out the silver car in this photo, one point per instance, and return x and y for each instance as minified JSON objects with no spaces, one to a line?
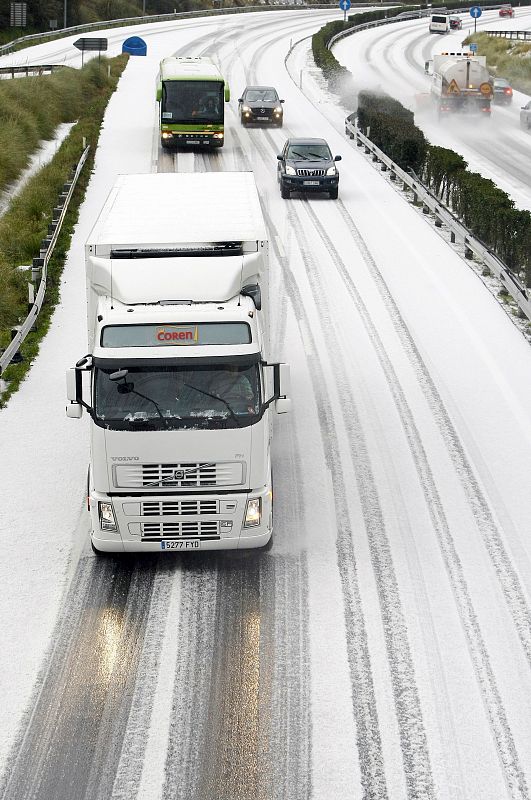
{"x":525,"y":116}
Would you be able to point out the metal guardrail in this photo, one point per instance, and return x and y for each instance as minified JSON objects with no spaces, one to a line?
{"x":387,"y":21}
{"x":443,"y":216}
{"x":40,"y":267}
{"x":31,"y":69}
{"x":117,"y":23}
{"x":522,"y":35}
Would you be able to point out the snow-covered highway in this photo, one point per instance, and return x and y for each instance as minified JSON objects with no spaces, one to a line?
{"x":382,"y":649}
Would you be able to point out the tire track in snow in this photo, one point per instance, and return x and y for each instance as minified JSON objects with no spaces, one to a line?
{"x":415,"y":754}
{"x":81,"y":708}
{"x":512,"y":770}
{"x":368,"y":738}
{"x":510,"y":584}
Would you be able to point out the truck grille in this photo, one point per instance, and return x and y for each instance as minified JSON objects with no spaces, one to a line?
{"x":183,"y":476}
{"x":199,"y":529}
{"x":311,"y":173}
{"x":179,"y":508}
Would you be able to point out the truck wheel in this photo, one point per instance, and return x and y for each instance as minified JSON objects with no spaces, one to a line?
{"x":284,"y":193}
{"x":333,"y":194}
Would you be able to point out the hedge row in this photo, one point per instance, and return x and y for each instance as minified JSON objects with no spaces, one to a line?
{"x":25,"y":223}
{"x":487,"y":211}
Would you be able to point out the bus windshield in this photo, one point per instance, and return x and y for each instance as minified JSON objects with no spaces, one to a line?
{"x":187,"y":102}
{"x":162,"y":397}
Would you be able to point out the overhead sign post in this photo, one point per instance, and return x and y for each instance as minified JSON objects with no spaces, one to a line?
{"x":89,"y":43}
{"x":344,"y":5}
{"x":475,"y":13}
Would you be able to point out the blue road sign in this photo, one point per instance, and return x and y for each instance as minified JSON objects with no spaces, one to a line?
{"x":473,"y":47}
{"x":475,"y":12}
{"x":344,"y":5}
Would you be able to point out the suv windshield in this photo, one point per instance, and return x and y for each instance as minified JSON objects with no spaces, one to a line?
{"x":309,"y":152}
{"x":261,"y":96}
{"x":158,"y":398}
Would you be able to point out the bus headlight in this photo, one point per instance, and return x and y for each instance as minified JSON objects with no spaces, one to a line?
{"x":253,"y":513}
{"x":218,"y":136}
{"x":107,"y":519}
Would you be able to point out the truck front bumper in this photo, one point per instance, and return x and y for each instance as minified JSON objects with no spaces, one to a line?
{"x":181,"y":523}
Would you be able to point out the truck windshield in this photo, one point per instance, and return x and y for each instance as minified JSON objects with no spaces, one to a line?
{"x":188,"y":102}
{"x":169,"y":397}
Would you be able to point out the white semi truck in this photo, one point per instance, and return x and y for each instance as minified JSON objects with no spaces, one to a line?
{"x":177,"y":381}
{"x":460,"y":83}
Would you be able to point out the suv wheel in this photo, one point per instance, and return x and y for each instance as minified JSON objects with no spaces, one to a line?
{"x":284,"y":193}
{"x":333,"y":193}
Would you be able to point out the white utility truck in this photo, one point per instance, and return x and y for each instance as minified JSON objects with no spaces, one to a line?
{"x":460,"y":83}
{"x":177,"y":383}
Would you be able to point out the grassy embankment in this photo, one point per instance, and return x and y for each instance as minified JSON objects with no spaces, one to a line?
{"x":30,"y":110}
{"x":507,"y":58}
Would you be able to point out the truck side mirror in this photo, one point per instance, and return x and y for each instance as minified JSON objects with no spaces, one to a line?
{"x":283,"y":405}
{"x":284,"y":382}
{"x":240,"y":99}
{"x":72,"y":384}
{"x":280,"y":158}
{"x":337,"y":158}
{"x":74,"y":408}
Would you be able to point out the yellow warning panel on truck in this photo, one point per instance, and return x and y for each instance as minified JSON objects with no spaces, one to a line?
{"x":453,"y":88}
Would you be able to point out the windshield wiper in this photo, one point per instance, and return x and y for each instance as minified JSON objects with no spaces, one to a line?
{"x":216,"y":397}
{"x":319,"y":157}
{"x":300,"y":155}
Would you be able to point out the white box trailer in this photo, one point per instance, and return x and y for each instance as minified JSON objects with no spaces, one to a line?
{"x":177,"y":382}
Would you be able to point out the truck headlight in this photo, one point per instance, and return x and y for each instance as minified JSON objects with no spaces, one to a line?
{"x":106,"y":514}
{"x":331,"y":171}
{"x":278,"y":110}
{"x":253,"y":512}
{"x":290,"y":170}
{"x":246,"y":109}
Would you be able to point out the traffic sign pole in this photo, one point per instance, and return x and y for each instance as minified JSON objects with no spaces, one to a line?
{"x":344,"y":5}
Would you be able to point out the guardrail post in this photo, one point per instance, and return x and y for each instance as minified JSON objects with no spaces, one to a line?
{"x":438,"y":222}
{"x":425,"y":209}
{"x":384,"y":167}
{"x":468,"y":252}
{"x":17,"y":357}
{"x":392,"y":174}
{"x":374,"y":157}
{"x":452,"y":237}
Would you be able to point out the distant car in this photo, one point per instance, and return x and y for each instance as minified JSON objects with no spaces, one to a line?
{"x":262,"y":105}
{"x":506,"y":11}
{"x":502,"y":93}
{"x":456,"y":23}
{"x":525,"y":116}
{"x":307,"y":165}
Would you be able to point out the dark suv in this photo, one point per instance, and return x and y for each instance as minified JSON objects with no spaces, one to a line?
{"x":261,"y":104}
{"x":307,"y":165}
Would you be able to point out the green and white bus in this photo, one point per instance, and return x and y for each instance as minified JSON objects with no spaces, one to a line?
{"x":191,"y":93}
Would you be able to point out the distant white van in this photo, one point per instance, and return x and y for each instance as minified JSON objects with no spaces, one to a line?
{"x":439,"y":23}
